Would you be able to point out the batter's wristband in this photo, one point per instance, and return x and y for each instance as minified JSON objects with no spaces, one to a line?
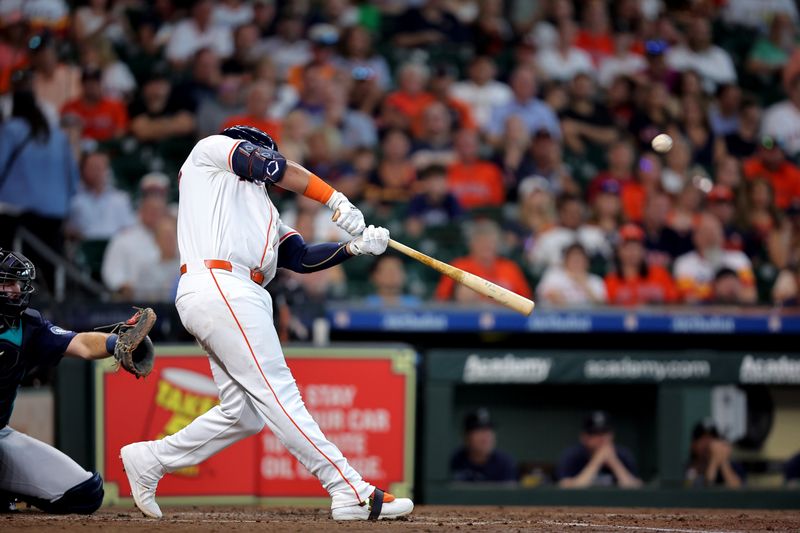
{"x":111,"y":343}
{"x":318,"y":190}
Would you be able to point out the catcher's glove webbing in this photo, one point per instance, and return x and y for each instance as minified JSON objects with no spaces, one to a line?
{"x":133,"y":349}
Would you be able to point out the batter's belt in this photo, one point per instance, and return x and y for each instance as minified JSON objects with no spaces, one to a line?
{"x":221,"y":264}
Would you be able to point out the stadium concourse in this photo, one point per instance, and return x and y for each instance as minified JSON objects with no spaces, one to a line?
{"x":426,"y":518}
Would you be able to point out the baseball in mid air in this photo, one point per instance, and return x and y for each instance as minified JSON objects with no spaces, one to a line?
{"x":661,"y":143}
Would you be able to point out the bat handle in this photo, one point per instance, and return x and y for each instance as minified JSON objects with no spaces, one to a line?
{"x":336,"y":215}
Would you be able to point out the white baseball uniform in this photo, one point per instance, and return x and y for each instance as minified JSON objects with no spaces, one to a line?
{"x":222,"y":217}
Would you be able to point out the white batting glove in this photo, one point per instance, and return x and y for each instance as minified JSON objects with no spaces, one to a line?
{"x":350,"y":219}
{"x":372,"y":242}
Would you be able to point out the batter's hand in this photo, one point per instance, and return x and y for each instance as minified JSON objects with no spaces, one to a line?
{"x":350,"y":218}
{"x":372,"y":242}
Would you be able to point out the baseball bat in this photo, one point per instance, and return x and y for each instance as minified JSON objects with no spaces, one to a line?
{"x":484,"y":287}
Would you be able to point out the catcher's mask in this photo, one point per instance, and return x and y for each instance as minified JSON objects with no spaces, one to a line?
{"x":251,"y":134}
{"x":16,"y":286}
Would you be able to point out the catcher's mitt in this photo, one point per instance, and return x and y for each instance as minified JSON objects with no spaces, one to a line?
{"x":134,"y":350}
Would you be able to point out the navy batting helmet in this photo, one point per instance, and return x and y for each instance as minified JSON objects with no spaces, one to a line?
{"x":16,"y":286}
{"x":250,"y":134}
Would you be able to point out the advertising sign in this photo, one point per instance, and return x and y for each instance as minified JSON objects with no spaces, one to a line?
{"x":362,"y":398}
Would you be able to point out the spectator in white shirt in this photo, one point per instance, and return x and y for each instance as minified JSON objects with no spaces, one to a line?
{"x":481,"y":92}
{"x":572,"y":227}
{"x":134,"y":248}
{"x":757,"y":13}
{"x":288,"y":47}
{"x":565,"y":60}
{"x":695,"y":271}
{"x":156,"y":282}
{"x":544,"y":34}
{"x":699,"y":54}
{"x":196,"y":33}
{"x":782,"y":120}
{"x":624,"y":61}
{"x":231,"y":14}
{"x":571,"y":283}
{"x":99,"y":210}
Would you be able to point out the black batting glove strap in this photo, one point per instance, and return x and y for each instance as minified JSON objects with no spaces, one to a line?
{"x":256,"y":164}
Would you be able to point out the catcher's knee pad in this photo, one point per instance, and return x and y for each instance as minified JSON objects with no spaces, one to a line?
{"x":84,"y":498}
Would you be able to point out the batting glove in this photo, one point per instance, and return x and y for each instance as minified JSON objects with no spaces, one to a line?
{"x":372,"y":242}
{"x":351,"y":219}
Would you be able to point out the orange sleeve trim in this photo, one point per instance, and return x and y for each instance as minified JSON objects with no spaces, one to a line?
{"x":318,"y":190}
{"x":230,"y":155}
{"x":287,"y":236}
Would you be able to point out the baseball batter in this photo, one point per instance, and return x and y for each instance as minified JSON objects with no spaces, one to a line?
{"x":30,"y":470}
{"x":231,"y":241}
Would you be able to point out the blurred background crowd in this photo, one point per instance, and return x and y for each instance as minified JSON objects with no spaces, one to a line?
{"x":509,"y":137}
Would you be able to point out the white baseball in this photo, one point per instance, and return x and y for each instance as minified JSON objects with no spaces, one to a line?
{"x":662,"y":143}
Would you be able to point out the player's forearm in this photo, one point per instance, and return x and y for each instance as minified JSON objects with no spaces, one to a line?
{"x":729,"y":475}
{"x":300,"y":180}
{"x":712,"y":470}
{"x":89,"y":345}
{"x":315,"y":257}
{"x":625,"y":478}
{"x":585,"y":477}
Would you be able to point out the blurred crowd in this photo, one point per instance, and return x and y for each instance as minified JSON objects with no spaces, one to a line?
{"x":509,"y":137}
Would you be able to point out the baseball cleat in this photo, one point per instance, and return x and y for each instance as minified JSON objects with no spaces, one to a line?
{"x":144,"y":472}
{"x":380,"y":506}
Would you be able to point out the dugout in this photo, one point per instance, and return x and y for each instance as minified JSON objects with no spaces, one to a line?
{"x":657,"y":373}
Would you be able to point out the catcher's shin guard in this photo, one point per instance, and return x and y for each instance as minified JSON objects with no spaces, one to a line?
{"x":84,"y":498}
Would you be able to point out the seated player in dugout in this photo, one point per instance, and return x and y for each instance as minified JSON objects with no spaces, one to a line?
{"x":32,"y":471}
{"x":479,"y":460}
{"x":710,"y":461}
{"x":596,"y":460}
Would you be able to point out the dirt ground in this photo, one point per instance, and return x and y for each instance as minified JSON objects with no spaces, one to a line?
{"x":425,"y":518}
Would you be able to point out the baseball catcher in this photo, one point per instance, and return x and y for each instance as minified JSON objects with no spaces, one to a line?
{"x":30,"y":470}
{"x":231,"y":241}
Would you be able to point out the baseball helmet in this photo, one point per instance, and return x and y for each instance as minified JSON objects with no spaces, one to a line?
{"x":251,"y":134}
{"x":15,"y":268}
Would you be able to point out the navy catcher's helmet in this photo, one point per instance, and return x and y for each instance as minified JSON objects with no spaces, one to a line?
{"x":251,"y":134}
{"x":15,"y":268}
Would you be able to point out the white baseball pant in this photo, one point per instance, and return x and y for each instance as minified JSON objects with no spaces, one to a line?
{"x":231,"y":317}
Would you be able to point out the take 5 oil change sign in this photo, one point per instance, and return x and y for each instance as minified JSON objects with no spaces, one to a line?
{"x":362,"y":398}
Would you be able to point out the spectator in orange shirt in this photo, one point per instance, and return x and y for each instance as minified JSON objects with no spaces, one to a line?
{"x":98,"y":118}
{"x":473,"y":181}
{"x":404,"y":107}
{"x":441,"y":87}
{"x":257,"y":103}
{"x":771,"y":164}
{"x":394,"y":177}
{"x":13,"y":53}
{"x":633,"y":281}
{"x":484,"y":261}
{"x":595,"y":33}
{"x":324,"y":38}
